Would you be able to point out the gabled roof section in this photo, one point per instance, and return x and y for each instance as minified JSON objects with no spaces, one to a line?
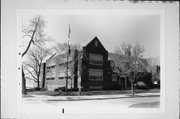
{"x":93,"y":41}
{"x":52,"y":56}
{"x":61,"y":57}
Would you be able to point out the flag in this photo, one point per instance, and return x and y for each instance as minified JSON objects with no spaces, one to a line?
{"x":69,"y":32}
{"x":69,"y":50}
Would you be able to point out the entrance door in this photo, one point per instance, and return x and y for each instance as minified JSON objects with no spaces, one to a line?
{"x":123,"y":82}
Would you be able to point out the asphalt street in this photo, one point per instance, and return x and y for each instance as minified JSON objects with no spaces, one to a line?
{"x":92,"y":106}
{"x":106,"y":105}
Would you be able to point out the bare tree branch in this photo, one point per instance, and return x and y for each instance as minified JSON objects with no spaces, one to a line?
{"x":31,"y":79}
{"x":36,"y":58}
{"x":34,"y":31}
{"x":30,"y":73}
{"x":133,"y":55}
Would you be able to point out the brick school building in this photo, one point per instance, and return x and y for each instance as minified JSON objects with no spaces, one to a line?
{"x":89,"y":69}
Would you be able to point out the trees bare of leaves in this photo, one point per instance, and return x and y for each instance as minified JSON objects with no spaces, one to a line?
{"x":62,"y":48}
{"x":33,"y":34}
{"x":65,"y":55}
{"x":36,"y":57}
{"x":133,"y":55}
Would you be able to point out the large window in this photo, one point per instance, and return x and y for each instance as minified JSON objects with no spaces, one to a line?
{"x":95,"y":74}
{"x":95,"y":59}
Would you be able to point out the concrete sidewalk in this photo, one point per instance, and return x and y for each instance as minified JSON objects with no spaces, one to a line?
{"x":92,"y":97}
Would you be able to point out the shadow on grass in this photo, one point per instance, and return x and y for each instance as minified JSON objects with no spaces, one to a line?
{"x":146,"y":105}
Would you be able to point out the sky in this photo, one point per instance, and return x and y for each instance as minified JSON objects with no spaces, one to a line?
{"x":111,"y":30}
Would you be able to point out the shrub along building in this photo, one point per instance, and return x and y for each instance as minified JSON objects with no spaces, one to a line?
{"x":92,"y":68}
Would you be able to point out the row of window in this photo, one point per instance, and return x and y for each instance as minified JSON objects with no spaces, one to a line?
{"x":95,"y":74}
{"x":60,"y":78}
{"x":50,"y":78}
{"x":91,"y":78}
{"x":61,"y":64}
{"x":64,"y":63}
{"x":96,"y":78}
{"x":50,"y":67}
{"x":96,"y":57}
{"x":95,"y":87}
{"x":93,"y":62}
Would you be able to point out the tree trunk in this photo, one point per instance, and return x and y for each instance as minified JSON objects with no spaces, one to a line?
{"x":44,"y":75}
{"x":79,"y":83}
{"x":38,"y":86}
{"x":132,"y":87}
{"x":23,"y":83}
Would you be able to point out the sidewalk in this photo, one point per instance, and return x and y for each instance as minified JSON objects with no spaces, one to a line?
{"x":92,"y":97}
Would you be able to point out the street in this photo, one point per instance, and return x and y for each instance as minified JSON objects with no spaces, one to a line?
{"x":86,"y":106}
{"x":94,"y":106}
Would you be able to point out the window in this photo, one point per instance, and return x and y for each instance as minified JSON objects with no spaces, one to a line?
{"x":61,"y":78}
{"x":95,"y":87}
{"x":97,"y":78}
{"x":50,"y":78}
{"x":95,"y":74}
{"x":49,"y":67}
{"x":95,"y":62}
{"x":64,"y":77}
{"x":95,"y":59}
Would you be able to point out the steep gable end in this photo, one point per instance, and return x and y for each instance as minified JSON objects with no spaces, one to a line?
{"x":95,"y":44}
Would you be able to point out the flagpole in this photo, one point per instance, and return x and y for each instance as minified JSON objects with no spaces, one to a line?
{"x":67,"y":72}
{"x":68,"y":52}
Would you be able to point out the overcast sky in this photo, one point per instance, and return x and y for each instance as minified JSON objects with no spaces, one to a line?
{"x":111,"y":30}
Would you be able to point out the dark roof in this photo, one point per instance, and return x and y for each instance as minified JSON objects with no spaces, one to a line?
{"x":89,"y":43}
